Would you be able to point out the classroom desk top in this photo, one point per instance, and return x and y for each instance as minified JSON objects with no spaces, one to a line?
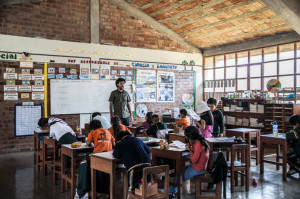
{"x":104,"y":162}
{"x":279,"y":143}
{"x":243,"y":129}
{"x":176,"y":154}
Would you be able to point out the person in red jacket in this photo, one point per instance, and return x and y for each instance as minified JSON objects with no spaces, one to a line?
{"x":199,"y":157}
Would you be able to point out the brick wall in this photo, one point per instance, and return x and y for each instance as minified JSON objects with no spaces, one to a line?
{"x":8,"y":142}
{"x":119,"y":28}
{"x":54,"y":19}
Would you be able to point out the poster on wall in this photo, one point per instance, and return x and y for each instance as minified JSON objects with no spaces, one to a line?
{"x":188,"y":101}
{"x":37,"y":96}
{"x":146,"y":86}
{"x":10,"y":96}
{"x":165,"y":86}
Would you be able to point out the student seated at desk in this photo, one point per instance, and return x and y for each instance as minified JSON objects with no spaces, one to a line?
{"x":206,"y":123}
{"x":156,"y":126}
{"x":185,"y":120}
{"x":97,"y":116}
{"x":199,"y":157}
{"x":135,"y":155}
{"x":102,"y":139}
{"x":218,"y":129}
{"x":293,"y":157}
{"x":148,"y":122}
{"x":117,"y":126}
{"x":62,"y":132}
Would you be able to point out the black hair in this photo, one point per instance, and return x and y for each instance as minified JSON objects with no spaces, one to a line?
{"x":120,"y":80}
{"x":43,"y":122}
{"x":212,"y":101}
{"x":95,"y":124}
{"x":183,"y":112}
{"x":209,"y":120}
{"x":121,"y":135}
{"x":115,"y":120}
{"x":193,"y":133}
{"x":95,"y":114}
{"x":294,"y":119}
{"x":155,"y":118}
{"x":149,"y":117}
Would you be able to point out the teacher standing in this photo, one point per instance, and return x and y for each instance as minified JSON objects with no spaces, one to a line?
{"x":119,"y":102}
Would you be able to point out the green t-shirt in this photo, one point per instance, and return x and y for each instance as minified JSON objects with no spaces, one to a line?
{"x":120,"y":101}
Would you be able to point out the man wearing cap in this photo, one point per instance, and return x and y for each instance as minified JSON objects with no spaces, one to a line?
{"x":119,"y":103}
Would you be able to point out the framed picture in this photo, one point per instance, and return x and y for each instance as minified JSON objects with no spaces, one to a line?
{"x":62,"y":70}
{"x":51,"y":70}
{"x":38,"y":71}
{"x":105,"y":71}
{"x":95,"y":70}
{"x":26,"y":71}
{"x":114,"y":72}
{"x":128,"y":78}
{"x":122,"y":72}
{"x":130,"y":73}
{"x":10,"y":70}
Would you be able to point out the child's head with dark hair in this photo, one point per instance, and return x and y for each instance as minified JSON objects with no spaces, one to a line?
{"x":96,"y":114}
{"x":183,"y":113}
{"x":43,"y":122}
{"x":115,"y":120}
{"x":95,"y":124}
{"x":148,"y":117}
{"x":121,"y":135}
{"x":295,"y":120}
{"x":193,"y":133}
{"x":155,"y":119}
{"x":212,"y":103}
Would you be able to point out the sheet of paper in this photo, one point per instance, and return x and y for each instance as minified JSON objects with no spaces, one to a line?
{"x":179,"y":144}
{"x":193,"y":114}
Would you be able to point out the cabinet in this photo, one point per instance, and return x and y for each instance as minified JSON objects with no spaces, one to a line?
{"x":289,"y":94}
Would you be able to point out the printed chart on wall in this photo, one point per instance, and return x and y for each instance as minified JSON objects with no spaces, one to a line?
{"x":165,"y":86}
{"x":26,"y":119}
{"x":146,"y":86}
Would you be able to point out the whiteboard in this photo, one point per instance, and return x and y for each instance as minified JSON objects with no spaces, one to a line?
{"x":26,"y":119}
{"x":82,"y":96}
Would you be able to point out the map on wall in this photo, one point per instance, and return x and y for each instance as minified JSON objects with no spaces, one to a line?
{"x":165,"y":86}
{"x":146,"y":86}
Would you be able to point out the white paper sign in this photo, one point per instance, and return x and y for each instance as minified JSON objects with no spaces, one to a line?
{"x":24,"y":88}
{"x":37,"y":77}
{"x":24,"y":76}
{"x":10,"y":88}
{"x":10,"y":96}
{"x":26,"y":64}
{"x":10,"y":76}
{"x":38,"y":88}
{"x":193,"y":114}
{"x":37,"y":96}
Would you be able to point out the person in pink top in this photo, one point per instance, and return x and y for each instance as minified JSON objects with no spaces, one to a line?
{"x":206,"y":123}
{"x":199,"y":157}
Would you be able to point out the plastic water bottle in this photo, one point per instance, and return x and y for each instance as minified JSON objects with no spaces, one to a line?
{"x":275,"y":128}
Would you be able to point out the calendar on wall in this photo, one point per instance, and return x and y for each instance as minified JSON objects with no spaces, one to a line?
{"x":26,"y":119}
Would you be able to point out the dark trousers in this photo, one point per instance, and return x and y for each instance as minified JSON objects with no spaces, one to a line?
{"x":125,"y":121}
{"x":135,"y":176}
{"x":67,"y":138}
{"x":293,"y":161}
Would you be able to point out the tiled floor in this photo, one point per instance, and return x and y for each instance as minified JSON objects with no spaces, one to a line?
{"x":20,"y":179}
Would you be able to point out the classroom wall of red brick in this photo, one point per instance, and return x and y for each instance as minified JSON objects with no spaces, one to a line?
{"x":70,"y":21}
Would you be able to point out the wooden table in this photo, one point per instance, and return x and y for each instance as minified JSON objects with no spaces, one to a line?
{"x":179,"y":136}
{"x":218,"y":143}
{"x":37,"y":149}
{"x":242,"y":132}
{"x":279,"y":143}
{"x":66,"y":150}
{"x":174,"y":154}
{"x":106,"y":163}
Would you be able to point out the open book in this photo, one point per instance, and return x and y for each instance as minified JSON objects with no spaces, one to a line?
{"x":193,"y":114}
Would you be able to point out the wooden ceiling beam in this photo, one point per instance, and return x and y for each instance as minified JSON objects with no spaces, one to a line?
{"x":11,"y":2}
{"x":243,"y":35}
{"x":214,"y":13}
{"x":219,"y":32}
{"x":287,"y":10}
{"x":135,"y":12}
{"x":195,"y":9}
{"x":227,"y":20}
{"x":253,"y":44}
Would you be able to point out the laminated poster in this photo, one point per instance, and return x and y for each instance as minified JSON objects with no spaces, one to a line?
{"x":37,"y":77}
{"x":38,"y":83}
{"x":146,"y":86}
{"x":10,"y":82}
{"x":37,"y":96}
{"x":10,"y":70}
{"x":26,"y":83}
{"x":10,"y":76}
{"x":10,"y":96}
{"x":25,"y":71}
{"x":165,"y":86}
{"x":24,"y":95}
{"x":38,"y":71}
{"x":10,"y":88}
{"x":24,"y":88}
{"x":62,"y":70}
{"x":37,"y":88}
{"x":24,"y":76}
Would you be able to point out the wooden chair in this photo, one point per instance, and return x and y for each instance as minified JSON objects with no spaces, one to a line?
{"x":154,"y":171}
{"x":239,"y":165}
{"x":48,"y":153}
{"x":253,"y":141}
{"x":38,"y":149}
{"x":209,"y":194}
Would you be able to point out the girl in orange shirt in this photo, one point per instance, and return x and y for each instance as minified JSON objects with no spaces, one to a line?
{"x":117,"y":126}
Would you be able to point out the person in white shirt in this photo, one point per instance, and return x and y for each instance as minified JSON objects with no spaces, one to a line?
{"x":105,"y":124}
{"x":59,"y":129}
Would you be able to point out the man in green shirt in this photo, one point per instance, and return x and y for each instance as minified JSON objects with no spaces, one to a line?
{"x":218,"y":129}
{"x":119,"y":103}
{"x":156,"y":125}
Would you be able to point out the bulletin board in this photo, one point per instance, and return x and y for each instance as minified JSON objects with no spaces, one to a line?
{"x":26,"y":119}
